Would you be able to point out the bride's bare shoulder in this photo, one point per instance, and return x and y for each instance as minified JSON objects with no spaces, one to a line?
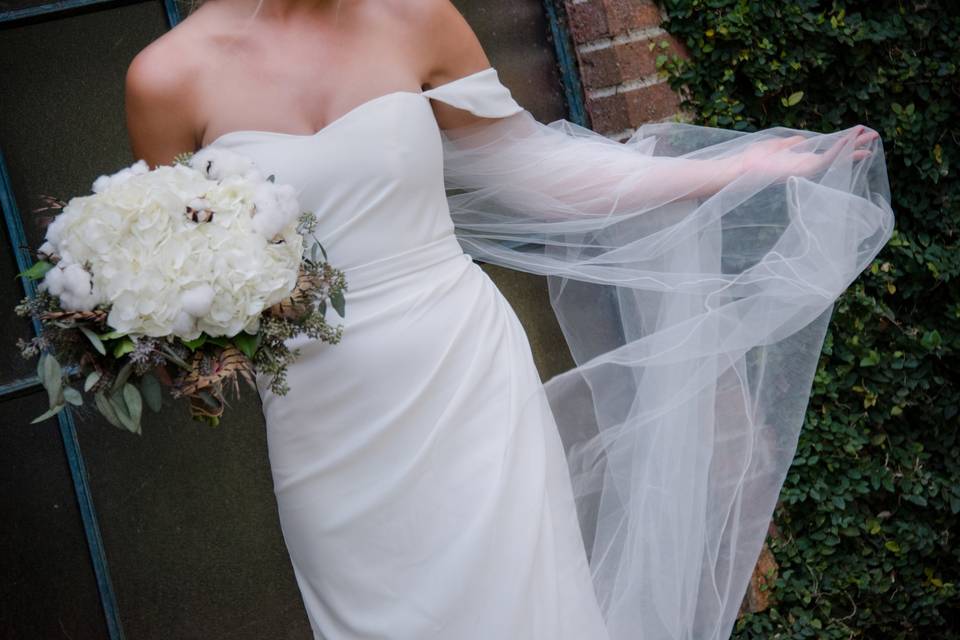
{"x":448,"y":46}
{"x":161,"y":82}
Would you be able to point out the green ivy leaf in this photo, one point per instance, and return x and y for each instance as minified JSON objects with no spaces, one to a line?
{"x":123,"y":347}
{"x":793,"y":99}
{"x":931,"y":339}
{"x":247,"y":343}
{"x":36,"y":271}
{"x":196,"y":343}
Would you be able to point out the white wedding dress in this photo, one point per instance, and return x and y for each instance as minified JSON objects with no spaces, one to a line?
{"x":424,"y":490}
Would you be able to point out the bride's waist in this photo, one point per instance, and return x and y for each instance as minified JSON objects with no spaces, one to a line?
{"x":404,"y":263}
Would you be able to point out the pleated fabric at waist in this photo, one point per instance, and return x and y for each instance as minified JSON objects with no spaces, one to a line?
{"x":419,"y":258}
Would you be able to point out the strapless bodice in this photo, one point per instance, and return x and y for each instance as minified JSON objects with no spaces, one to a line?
{"x":374,"y":176}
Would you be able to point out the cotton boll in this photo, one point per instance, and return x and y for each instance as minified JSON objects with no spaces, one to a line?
{"x":72,"y":285}
{"x":77,"y":289}
{"x":104,"y":182}
{"x":101,"y":184}
{"x":46,"y":250}
{"x":218,"y":164}
{"x":53,"y":281}
{"x":78,"y":302}
{"x":139,"y":167}
{"x":55,"y":228}
{"x":76,"y":279}
{"x":276,"y":208}
{"x":197,"y":301}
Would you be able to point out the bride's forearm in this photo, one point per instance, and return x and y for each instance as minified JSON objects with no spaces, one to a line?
{"x":525,"y":160}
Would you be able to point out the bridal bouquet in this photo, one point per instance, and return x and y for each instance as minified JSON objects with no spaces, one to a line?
{"x":190,"y":276}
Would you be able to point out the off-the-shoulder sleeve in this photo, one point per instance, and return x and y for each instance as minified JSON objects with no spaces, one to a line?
{"x":695,"y":303}
{"x":480,"y":93}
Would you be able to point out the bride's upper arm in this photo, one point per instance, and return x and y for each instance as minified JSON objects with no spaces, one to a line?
{"x":450,"y":50}
{"x":157,"y":105}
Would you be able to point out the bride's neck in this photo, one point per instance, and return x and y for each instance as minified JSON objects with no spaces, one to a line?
{"x":290,"y":9}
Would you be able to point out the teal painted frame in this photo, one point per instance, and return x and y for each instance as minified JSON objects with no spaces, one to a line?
{"x":567,"y":61}
{"x":24,"y":258}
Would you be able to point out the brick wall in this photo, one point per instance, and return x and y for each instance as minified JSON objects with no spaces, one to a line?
{"x":617,"y":42}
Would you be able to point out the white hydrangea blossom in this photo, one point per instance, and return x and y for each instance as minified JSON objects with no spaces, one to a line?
{"x":132,"y":246}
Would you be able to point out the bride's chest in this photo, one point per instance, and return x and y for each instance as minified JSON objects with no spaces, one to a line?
{"x":382,"y":151}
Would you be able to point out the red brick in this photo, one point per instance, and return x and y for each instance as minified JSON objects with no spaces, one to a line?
{"x":608,"y":114}
{"x":636,"y":60}
{"x":630,"y":15}
{"x":646,"y":104}
{"x":600,"y":68}
{"x":588,"y":20}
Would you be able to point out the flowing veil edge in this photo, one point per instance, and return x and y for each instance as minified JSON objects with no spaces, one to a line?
{"x":695,"y":314}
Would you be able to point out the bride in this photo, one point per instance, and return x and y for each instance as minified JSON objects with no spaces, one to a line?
{"x":429,"y":485}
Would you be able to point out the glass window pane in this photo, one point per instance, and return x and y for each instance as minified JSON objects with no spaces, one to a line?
{"x":11,"y":292}
{"x":47,"y":586}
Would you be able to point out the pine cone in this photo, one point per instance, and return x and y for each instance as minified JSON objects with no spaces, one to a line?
{"x":297,"y":303}
{"x":97,"y":315}
{"x":225,"y":367}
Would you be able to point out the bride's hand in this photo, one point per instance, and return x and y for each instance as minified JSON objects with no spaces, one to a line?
{"x":774,"y":160}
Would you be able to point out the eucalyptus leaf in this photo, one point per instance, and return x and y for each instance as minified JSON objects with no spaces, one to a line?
{"x":174,"y":358}
{"x":94,"y":340}
{"x":53,"y":379}
{"x":336,"y":299}
{"x":51,"y":368}
{"x":41,"y":370}
{"x":49,"y":413}
{"x":72,"y":396}
{"x":122,"y":376}
{"x":131,"y":395}
{"x":220,"y":341}
{"x":92,"y":378}
{"x":322,"y":250}
{"x":106,"y":409}
{"x":152,"y":393}
{"x":122,"y":413}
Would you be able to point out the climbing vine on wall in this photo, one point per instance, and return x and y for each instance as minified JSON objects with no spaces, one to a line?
{"x":869,"y":518}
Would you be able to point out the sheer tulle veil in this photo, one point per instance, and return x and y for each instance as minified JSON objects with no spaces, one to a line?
{"x":695,"y":307}
{"x":694,"y":298}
